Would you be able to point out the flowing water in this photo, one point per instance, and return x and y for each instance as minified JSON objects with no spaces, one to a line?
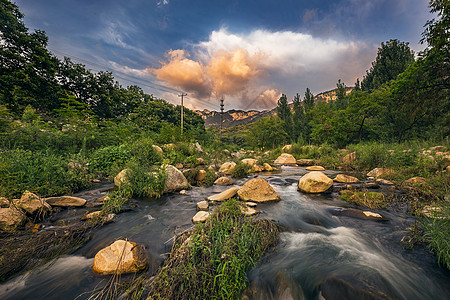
{"x":321,"y":255}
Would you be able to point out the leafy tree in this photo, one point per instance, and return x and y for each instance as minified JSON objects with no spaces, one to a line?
{"x":393,"y":58}
{"x":340,"y":102}
{"x":27,"y":69}
{"x":267,"y":132}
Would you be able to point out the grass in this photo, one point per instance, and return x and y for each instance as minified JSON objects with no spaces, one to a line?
{"x":437,"y":233}
{"x":240,"y":170}
{"x":212,"y":261}
{"x":371,"y":200}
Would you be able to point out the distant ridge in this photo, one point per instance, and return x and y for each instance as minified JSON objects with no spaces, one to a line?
{"x":236,"y":117}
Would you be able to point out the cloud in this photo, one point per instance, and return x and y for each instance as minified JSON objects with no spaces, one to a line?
{"x":231,"y":72}
{"x":184,"y":73}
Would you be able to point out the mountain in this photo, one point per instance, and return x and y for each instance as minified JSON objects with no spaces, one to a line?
{"x":231,"y":117}
{"x":235,"y":117}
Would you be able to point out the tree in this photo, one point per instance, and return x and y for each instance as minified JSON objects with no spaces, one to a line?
{"x":340,"y":102}
{"x":308,"y":100}
{"x":27,"y":69}
{"x":393,"y":58}
{"x":285,"y":114}
{"x":267,"y":132}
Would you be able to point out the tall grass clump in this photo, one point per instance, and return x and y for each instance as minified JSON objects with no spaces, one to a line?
{"x":108,"y":159}
{"x":240,"y":170}
{"x":212,"y":260}
{"x":437,"y":233}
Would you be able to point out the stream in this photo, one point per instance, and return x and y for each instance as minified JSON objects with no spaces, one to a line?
{"x":321,"y":254}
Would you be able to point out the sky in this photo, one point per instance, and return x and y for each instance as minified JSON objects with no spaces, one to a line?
{"x":246,"y":52}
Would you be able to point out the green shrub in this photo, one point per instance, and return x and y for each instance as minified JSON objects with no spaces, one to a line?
{"x":145,"y":183}
{"x":104,"y":159}
{"x":144,"y":154}
{"x":240,"y":171}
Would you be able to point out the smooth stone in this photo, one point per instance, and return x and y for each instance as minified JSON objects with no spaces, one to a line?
{"x":65,"y":201}
{"x":314,"y":182}
{"x":201,"y":175}
{"x":203,"y":205}
{"x":285,"y":159}
{"x":200,"y":217}
{"x":250,"y":162}
{"x":249,"y":211}
{"x":257,"y":190}
{"x":267,"y":167}
{"x":32,"y":204}
{"x":121,"y":177}
{"x":10,"y":218}
{"x":223,"y":181}
{"x":224,"y":195}
{"x":342,"y":178}
{"x":384,"y":181}
{"x":227,"y":168}
{"x":377,"y":172}
{"x":120,"y":257}
{"x":305,"y":162}
{"x":175,"y":180}
{"x":315,"y":168}
{"x":251,"y":204}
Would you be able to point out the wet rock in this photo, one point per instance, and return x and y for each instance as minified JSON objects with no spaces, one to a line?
{"x":121,"y":177}
{"x":203,"y":205}
{"x":257,"y":190}
{"x":120,"y":257}
{"x":227,"y":168}
{"x":175,"y":180}
{"x":357,"y":286}
{"x":315,"y":168}
{"x":285,"y":159}
{"x":4,"y":203}
{"x":183,"y":192}
{"x":305,"y":162}
{"x":201,"y":175}
{"x":158,"y":150}
{"x":98,"y":215}
{"x":32,"y":204}
{"x":267,"y":167}
{"x":11,"y":218}
{"x":384,"y":181}
{"x":349,"y":158}
{"x":227,"y":194}
{"x":251,"y":204}
{"x":200,"y":217}
{"x":65,"y":201}
{"x":223,"y":181}
{"x":377,"y":172}
{"x":342,"y":178}
{"x":314,"y":182}
{"x":360,"y":214}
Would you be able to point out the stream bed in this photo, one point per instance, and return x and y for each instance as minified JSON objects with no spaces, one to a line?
{"x":321,"y":254}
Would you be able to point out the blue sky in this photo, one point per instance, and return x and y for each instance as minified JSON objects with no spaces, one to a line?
{"x":245,"y":51}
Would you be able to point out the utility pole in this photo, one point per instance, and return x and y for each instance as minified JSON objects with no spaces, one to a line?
{"x":182,"y":106}
{"x":221,"y":117}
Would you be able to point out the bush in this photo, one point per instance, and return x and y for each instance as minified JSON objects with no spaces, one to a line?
{"x":240,"y":171}
{"x":103,"y":160}
{"x":145,"y":183}
{"x":144,"y":154}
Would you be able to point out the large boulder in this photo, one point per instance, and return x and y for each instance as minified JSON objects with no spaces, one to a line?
{"x":223,"y":181}
{"x":314,"y":182}
{"x":257,"y":190}
{"x":120,"y":257}
{"x":10,"y":218}
{"x":224,"y":195}
{"x":121,"y":177}
{"x":285,"y":159}
{"x":227,"y":168}
{"x":175,"y":180}
{"x":342,"y":178}
{"x":65,"y":201}
{"x":32,"y":204}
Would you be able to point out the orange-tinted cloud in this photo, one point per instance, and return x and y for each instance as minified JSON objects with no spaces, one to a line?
{"x":231,"y":72}
{"x":185,"y":73}
{"x":226,"y":73}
